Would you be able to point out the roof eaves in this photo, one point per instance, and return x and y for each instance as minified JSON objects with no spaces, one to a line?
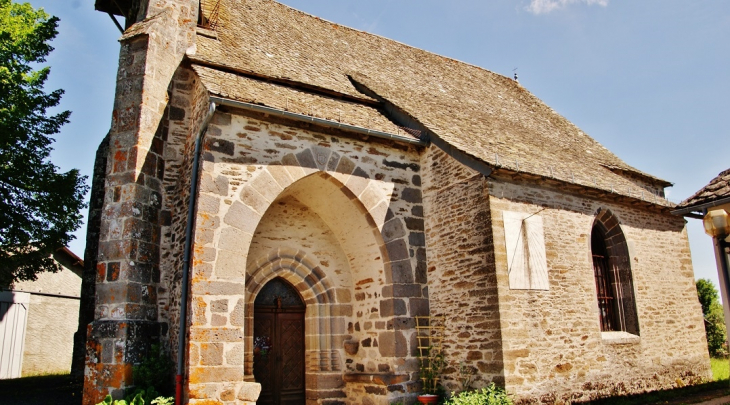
{"x":700,"y":208}
{"x":317,"y":121}
{"x":282,"y":81}
{"x":637,"y":173}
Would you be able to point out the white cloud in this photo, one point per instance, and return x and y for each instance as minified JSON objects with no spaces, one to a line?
{"x":546,"y":6}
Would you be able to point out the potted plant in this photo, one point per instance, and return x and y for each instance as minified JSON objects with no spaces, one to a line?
{"x":431,"y":366}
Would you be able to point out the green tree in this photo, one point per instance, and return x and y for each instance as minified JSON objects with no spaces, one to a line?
{"x":39,"y":206}
{"x":714,"y":318}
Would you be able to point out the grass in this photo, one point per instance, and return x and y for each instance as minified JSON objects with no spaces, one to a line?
{"x":720,"y":369}
{"x":685,"y":395}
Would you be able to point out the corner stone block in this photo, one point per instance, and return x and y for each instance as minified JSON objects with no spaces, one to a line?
{"x":418,"y":306}
{"x":281,"y":175}
{"x":238,"y":315}
{"x":378,"y":214}
{"x":211,"y":354}
{"x":334,"y":160}
{"x":358,"y":182}
{"x":291,"y":165}
{"x":371,"y":196}
{"x":397,"y":250}
{"x":306,"y":159}
{"x":217,"y":185}
{"x":392,"y":344}
{"x":208,"y":204}
{"x":202,"y":375}
{"x":345,"y":166}
{"x":321,"y":156}
{"x":342,"y":178}
{"x":393,"y":229}
{"x":401,"y":272}
{"x":230,"y":265}
{"x":254,"y":199}
{"x":242,"y":217}
{"x":265,"y":184}
{"x":391,"y":307}
{"x":234,"y":240}
{"x":249,"y":392}
{"x":411,"y":195}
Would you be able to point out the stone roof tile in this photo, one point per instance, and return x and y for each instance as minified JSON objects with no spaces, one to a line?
{"x":481,"y":113}
{"x":717,"y":189}
{"x":249,"y":90}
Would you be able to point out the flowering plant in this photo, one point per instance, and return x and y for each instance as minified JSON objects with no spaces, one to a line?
{"x":262,"y":345}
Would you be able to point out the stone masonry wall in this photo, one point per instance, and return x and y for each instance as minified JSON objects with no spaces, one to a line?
{"x":462,"y":282}
{"x":125,"y":321}
{"x":188,"y":106}
{"x":553,"y":347}
{"x":87,"y":306}
{"x":265,"y":183}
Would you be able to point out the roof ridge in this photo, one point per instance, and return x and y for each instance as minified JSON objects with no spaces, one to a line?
{"x":386,"y":38}
{"x":475,"y":110}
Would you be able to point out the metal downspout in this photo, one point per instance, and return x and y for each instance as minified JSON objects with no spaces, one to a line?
{"x":181,"y":339}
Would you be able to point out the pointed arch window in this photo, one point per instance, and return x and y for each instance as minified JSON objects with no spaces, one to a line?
{"x":612,"y":271}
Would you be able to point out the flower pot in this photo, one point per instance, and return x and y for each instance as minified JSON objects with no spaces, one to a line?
{"x":428,"y":399}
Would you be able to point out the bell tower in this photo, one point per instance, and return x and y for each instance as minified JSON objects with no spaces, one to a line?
{"x":126,"y":250}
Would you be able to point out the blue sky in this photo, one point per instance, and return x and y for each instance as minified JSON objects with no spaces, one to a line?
{"x":648,"y":79}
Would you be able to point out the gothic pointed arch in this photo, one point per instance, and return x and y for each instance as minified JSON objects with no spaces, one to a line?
{"x":613,"y":276}
{"x":319,"y":237}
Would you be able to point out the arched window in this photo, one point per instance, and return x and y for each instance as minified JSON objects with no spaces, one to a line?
{"x":612,"y":271}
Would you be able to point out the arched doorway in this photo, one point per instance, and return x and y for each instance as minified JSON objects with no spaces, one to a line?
{"x":279,"y":344}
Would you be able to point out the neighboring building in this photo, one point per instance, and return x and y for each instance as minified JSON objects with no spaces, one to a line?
{"x":346,"y":184}
{"x":712,"y":205}
{"x":38,"y":320}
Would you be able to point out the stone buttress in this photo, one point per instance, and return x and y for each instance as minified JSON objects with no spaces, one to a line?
{"x":127,"y":273}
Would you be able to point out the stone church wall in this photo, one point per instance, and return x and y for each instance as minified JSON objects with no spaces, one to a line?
{"x":339,"y":218}
{"x":188,"y":105}
{"x":462,"y":282}
{"x":554,"y":349}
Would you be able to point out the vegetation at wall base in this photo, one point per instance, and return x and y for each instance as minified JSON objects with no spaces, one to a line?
{"x":138,"y":398}
{"x":714,"y":318}
{"x":154,"y":374}
{"x":490,"y":395}
{"x":720,"y":369}
{"x":39,"y":207}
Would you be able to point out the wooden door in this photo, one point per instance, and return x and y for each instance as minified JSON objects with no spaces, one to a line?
{"x":279,"y":347}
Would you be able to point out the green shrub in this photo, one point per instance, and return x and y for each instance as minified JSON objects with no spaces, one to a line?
{"x":431,"y":365}
{"x":138,"y":398}
{"x":714,"y":318}
{"x":491,"y":395}
{"x":154,"y":373}
{"x":152,"y":378}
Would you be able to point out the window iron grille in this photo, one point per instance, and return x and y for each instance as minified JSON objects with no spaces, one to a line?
{"x":606,"y":294}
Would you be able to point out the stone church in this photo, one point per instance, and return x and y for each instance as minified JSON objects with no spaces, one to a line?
{"x":282,"y":199}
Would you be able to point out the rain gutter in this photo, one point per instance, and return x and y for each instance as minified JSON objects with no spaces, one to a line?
{"x":318,"y":121}
{"x":701,"y":207}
